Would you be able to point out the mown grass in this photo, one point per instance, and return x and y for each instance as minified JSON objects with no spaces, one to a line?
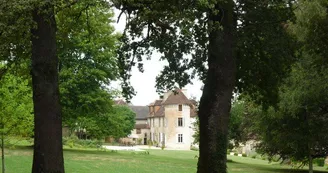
{"x":19,"y":160}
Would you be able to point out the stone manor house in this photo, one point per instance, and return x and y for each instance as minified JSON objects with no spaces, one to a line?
{"x":167,"y":122}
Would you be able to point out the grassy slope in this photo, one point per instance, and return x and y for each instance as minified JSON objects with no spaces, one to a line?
{"x":79,"y":161}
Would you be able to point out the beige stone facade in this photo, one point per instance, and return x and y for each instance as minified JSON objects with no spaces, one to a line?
{"x":168,"y":122}
{"x":174,"y":129}
{"x":171,"y":121}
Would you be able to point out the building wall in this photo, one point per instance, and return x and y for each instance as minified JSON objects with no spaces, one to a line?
{"x":170,"y":129}
{"x":141,"y":121}
{"x":165,"y":130}
{"x":144,"y":134}
{"x":157,"y":129}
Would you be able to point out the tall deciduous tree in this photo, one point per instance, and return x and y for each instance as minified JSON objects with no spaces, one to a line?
{"x":215,"y":102}
{"x":116,"y":123}
{"x":210,"y":31}
{"x":302,"y":115}
{"x":16,"y":110}
{"x":174,"y":21}
{"x":28,"y":28}
{"x":48,"y":149}
{"x":87,"y":60}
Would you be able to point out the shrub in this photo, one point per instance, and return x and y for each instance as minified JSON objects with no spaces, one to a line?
{"x":139,"y":141}
{"x":73,"y":141}
{"x":155,"y":143}
{"x":319,"y":161}
{"x":254,"y":156}
{"x":235,"y":154}
{"x":275,"y":158}
{"x":150,"y":143}
{"x":194,"y":148}
{"x":244,"y":155}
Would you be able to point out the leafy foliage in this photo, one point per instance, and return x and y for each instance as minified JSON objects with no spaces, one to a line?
{"x":86,"y":48}
{"x":296,"y":128}
{"x":265,"y":50}
{"x":117,"y":123}
{"x":16,"y":115}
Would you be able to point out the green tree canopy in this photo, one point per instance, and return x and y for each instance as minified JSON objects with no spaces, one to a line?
{"x":87,"y":59}
{"x":243,"y":42}
{"x":117,"y":123}
{"x":16,"y":115}
{"x":296,"y":128}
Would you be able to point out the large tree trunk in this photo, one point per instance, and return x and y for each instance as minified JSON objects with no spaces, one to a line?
{"x":310,"y":164}
{"x":215,"y":103}
{"x":48,"y":151}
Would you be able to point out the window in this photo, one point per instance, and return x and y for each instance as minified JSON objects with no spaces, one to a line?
{"x":180,"y":107}
{"x":153,"y":122}
{"x":138,"y":131}
{"x":180,"y":122}
{"x":180,"y":138}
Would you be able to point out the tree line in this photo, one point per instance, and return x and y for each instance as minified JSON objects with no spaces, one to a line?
{"x":270,"y":52}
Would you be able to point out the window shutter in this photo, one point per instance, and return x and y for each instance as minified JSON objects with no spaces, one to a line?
{"x":183,"y":122}
{"x":165,"y":122}
{"x":176,"y":122}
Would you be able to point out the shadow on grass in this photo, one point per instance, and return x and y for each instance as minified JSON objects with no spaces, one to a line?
{"x":90,"y":151}
{"x":21,"y":147}
{"x":266,"y":168}
{"x":298,"y":171}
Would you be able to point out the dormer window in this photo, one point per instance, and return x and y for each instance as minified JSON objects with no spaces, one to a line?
{"x":180,"y":107}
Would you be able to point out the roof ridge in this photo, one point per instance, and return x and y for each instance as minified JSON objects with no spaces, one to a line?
{"x":177,"y":98}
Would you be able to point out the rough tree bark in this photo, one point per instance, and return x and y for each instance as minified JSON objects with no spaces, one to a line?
{"x":310,"y":164}
{"x":48,"y":151}
{"x":215,"y":102}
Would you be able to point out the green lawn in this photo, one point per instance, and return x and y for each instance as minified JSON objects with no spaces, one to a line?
{"x":158,"y":161}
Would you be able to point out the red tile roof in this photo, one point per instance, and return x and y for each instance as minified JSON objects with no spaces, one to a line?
{"x":160,"y":112}
{"x":141,"y":126}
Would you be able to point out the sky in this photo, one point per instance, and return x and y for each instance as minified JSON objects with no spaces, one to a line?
{"x":144,"y":83}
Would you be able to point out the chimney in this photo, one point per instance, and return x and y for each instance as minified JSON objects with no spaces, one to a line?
{"x":166,"y":95}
